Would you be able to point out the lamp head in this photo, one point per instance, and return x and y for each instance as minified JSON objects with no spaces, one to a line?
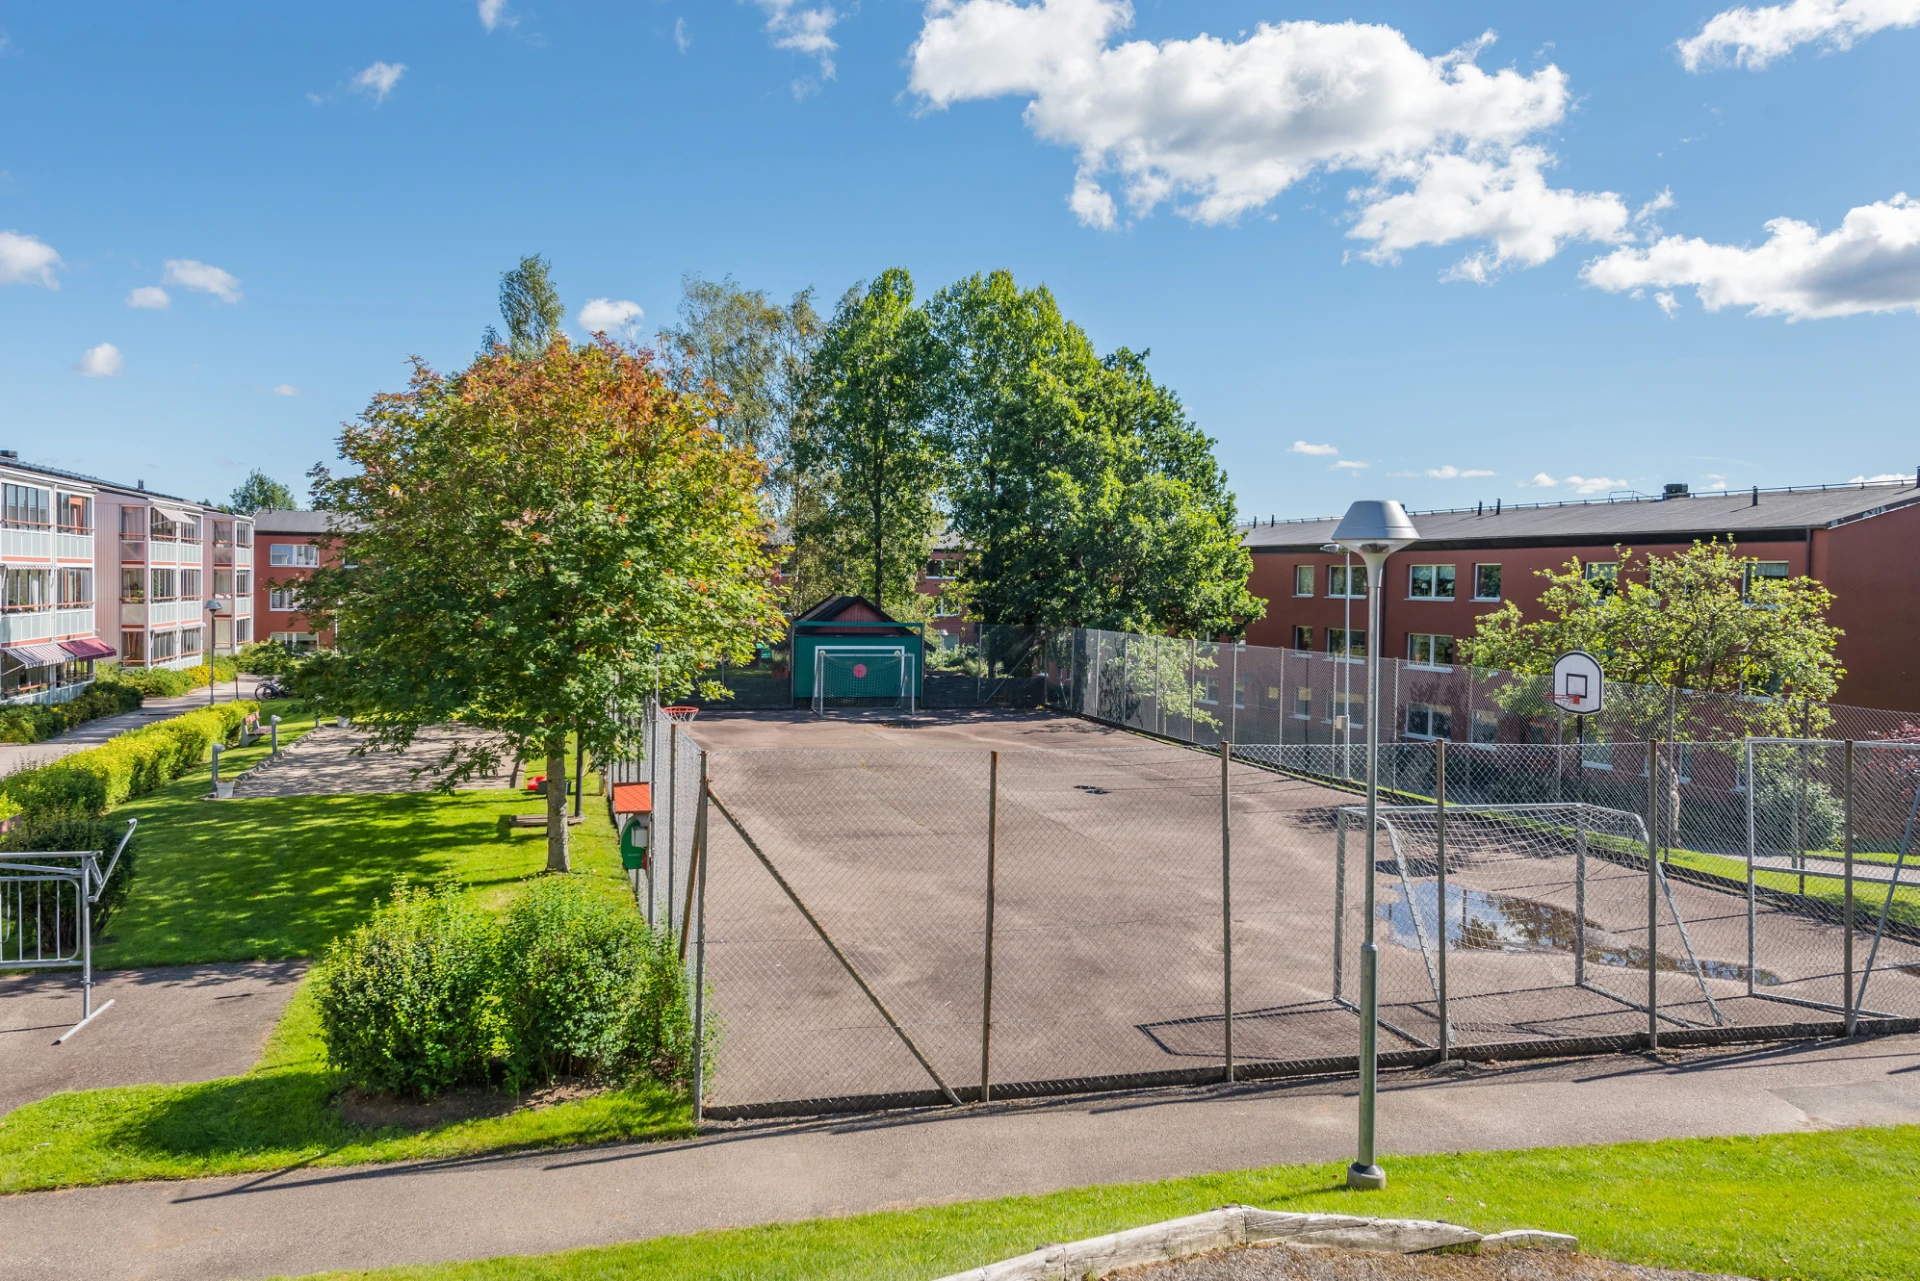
{"x":1375,"y":527}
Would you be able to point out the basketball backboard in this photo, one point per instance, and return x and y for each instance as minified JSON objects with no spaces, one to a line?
{"x":1578,"y":684}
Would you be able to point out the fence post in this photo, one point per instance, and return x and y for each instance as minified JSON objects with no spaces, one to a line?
{"x":700,"y":958}
{"x":1226,"y":900}
{"x":1653,"y":894}
{"x":1339,"y":897}
{"x":1852,"y":1011}
{"x":1440,"y":842}
{"x":1753,"y":788}
{"x":673,"y":813}
{"x":986,"y":1001}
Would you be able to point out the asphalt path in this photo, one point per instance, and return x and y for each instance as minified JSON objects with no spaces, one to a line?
{"x":305,"y":1220}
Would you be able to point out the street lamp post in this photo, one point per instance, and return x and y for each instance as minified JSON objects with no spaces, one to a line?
{"x":213,"y":648}
{"x":1375,"y":529}
{"x":1344,"y":718}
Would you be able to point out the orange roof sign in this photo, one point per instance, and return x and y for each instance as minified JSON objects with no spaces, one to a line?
{"x":633,"y":798}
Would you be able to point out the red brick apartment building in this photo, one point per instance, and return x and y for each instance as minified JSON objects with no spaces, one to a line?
{"x":1861,"y":540}
{"x":292,"y":545}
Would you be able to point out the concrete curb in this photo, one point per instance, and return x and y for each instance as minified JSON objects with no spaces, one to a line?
{"x":1236,"y":1225}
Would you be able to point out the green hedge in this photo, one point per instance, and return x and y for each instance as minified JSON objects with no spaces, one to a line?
{"x":34,"y":723}
{"x":168,"y":682}
{"x":89,"y":783}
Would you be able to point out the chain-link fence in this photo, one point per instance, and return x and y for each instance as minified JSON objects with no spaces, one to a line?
{"x":902,"y":926}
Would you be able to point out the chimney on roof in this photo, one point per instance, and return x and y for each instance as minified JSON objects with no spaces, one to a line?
{"x":13,"y":454}
{"x":1756,"y":495}
{"x":1677,"y":489}
{"x":140,"y":485}
{"x":1496,"y":505}
{"x":1480,"y":508}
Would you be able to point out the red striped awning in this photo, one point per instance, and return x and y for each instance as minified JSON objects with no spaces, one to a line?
{"x":87,"y":647}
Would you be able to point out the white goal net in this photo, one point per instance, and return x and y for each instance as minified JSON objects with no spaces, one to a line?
{"x":864,"y":675}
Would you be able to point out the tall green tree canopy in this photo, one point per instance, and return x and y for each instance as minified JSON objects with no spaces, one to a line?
{"x":525,"y":533}
{"x":867,"y":467}
{"x":1085,"y":493}
{"x":259,"y":492}
{"x":755,"y":353}
{"x":530,"y":306}
{"x":1695,"y":620}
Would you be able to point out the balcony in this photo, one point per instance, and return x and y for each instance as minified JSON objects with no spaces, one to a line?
{"x":20,"y":625}
{"x":133,"y":549}
{"x":73,"y":544}
{"x":163,"y":551}
{"x":23,"y":541}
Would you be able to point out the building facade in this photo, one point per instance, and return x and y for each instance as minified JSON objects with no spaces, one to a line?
{"x":1859,"y":540}
{"x":292,"y":545}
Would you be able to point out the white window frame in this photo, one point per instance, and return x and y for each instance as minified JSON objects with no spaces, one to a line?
{"x":1345,"y":653}
{"x":1303,"y":574}
{"x":1428,"y":735}
{"x":277,"y":595}
{"x":293,"y":555}
{"x":1484,"y":716}
{"x":1433,"y":582}
{"x":1413,"y":639}
{"x":1359,"y":575}
{"x":1494,"y":565}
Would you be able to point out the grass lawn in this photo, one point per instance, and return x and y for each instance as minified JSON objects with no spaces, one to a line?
{"x":280,"y":1114}
{"x":1820,"y":1207}
{"x":280,"y":877}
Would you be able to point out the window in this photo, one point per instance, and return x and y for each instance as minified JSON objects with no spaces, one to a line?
{"x":938,"y":567}
{"x":76,"y":586}
{"x":223,"y":533}
{"x":1302,"y":637}
{"x":29,"y":588}
{"x":133,"y":523}
{"x":1433,"y":651}
{"x":1430,"y":582}
{"x":133,"y":585}
{"x":298,"y":642}
{"x":190,"y":640}
{"x":133,"y":647}
{"x":1240,"y":692}
{"x":243,"y":582}
{"x":243,"y":631}
{"x":303,"y":555}
{"x":1344,"y":644}
{"x":76,"y":513}
{"x":1603,"y":574}
{"x":1429,"y":720}
{"x":243,"y":533}
{"x":1763,"y":571}
{"x":189,"y":529}
{"x":1303,"y":702}
{"x":26,"y":507}
{"x":1303,"y":580}
{"x":1206,"y":689}
{"x":166,"y":584}
{"x":1486,"y":726}
{"x":223,"y":582}
{"x":942,"y":607}
{"x":1596,"y":755}
{"x":165,"y":645}
{"x":189,"y":584}
{"x":1351,"y":705}
{"x":1486,"y":582}
{"x":1346,"y":580}
{"x":161,"y":526}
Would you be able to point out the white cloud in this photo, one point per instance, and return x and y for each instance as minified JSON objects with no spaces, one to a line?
{"x":493,"y":13}
{"x":27,"y":260}
{"x":286,"y":389}
{"x":1219,"y":127}
{"x":1348,"y":464}
{"x":1447,"y":471}
{"x":1715,"y":483}
{"x":1752,"y":38}
{"x":150,"y":297}
{"x":609,"y":316}
{"x":379,"y":79}
{"x":1314,"y":451}
{"x":681,"y":39}
{"x":1870,"y":263}
{"x":1668,"y":304}
{"x":1540,"y":480}
{"x":1594,"y":484}
{"x":100,"y":362}
{"x":1885,"y":475}
{"x":204,"y":277}
{"x":803,"y":29}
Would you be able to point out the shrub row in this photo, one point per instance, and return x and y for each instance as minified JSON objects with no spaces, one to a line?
{"x":265,"y":658}
{"x":433,"y":993}
{"x":167,"y":682}
{"x":37,"y":722}
{"x":89,"y":783}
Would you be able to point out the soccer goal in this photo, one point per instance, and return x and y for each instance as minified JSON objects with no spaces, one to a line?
{"x":1512,"y":922}
{"x":871,"y":675}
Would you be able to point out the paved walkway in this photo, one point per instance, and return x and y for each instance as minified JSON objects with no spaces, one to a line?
{"x":305,"y":1220}
{"x":14,"y":756}
{"x":167,"y":1025}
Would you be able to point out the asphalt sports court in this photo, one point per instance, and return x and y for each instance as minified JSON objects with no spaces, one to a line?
{"x":1108,"y":941}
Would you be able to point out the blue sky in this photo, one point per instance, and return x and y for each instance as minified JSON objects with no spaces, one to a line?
{"x":1467,"y":265}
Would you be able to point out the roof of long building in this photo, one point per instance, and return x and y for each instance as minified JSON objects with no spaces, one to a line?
{"x":1742,"y":514}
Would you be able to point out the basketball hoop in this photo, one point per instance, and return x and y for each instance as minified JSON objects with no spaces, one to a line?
{"x":679,"y":715}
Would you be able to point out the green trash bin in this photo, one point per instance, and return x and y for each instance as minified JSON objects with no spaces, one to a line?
{"x":633,"y":843}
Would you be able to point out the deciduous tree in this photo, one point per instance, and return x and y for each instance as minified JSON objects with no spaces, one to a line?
{"x":258,"y":492}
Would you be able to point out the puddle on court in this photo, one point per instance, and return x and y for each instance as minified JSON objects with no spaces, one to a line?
{"x":1478,"y":920}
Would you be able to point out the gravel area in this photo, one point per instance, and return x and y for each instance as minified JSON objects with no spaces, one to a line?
{"x":323,"y":763}
{"x":1282,"y":1262}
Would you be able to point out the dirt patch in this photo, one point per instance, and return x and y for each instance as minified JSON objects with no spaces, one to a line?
{"x":1282,"y":1262}
{"x":380,"y":1111}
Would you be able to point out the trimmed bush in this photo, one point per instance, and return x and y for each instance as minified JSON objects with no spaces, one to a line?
{"x":167,"y":682}
{"x":34,"y":723}
{"x":586,"y":989}
{"x":406,"y":1001}
{"x":89,"y":783}
{"x":265,"y":658}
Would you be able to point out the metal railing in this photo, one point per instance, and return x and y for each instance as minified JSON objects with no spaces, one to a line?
{"x":46,"y":913}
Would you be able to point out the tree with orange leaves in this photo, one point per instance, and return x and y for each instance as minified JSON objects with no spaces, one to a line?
{"x":527,"y":546}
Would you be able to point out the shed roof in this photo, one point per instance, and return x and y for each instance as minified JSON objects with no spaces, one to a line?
{"x":1778,"y":512}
